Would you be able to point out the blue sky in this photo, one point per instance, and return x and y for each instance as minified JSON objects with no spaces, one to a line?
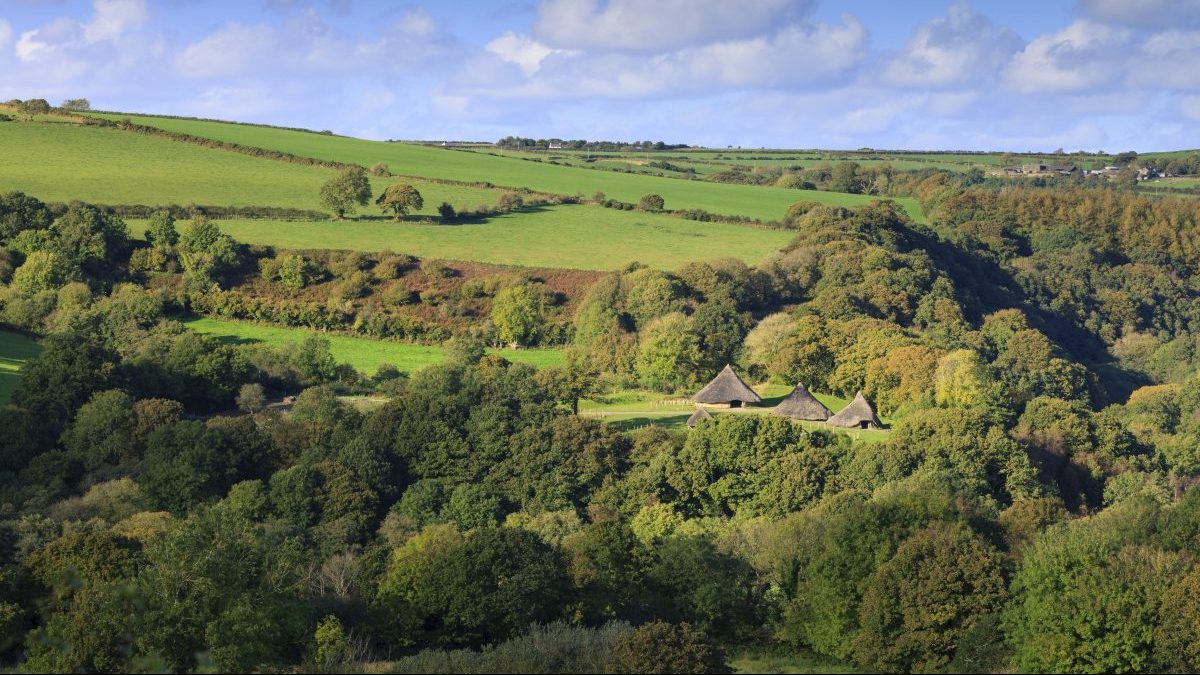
{"x":1019,"y":75}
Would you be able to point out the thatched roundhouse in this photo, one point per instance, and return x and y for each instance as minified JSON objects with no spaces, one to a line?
{"x":727,"y":389}
{"x":801,"y":405}
{"x":697,"y":417}
{"x":859,"y":414}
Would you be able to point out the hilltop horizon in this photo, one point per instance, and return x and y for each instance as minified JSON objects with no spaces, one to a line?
{"x":678,"y":143}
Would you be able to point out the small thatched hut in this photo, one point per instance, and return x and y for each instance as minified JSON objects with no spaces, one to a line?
{"x":801,"y":405}
{"x":858,"y":414}
{"x":697,"y":417}
{"x":727,"y":389}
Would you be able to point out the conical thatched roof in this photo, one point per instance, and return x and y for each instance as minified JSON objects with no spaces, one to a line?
{"x":697,"y":417}
{"x":727,"y":387}
{"x":855,"y":414}
{"x":801,"y":405}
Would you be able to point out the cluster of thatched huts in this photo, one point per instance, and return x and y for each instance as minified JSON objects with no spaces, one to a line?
{"x":727,"y":390}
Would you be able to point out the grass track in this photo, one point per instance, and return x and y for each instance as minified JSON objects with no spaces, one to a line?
{"x":433,"y":162}
{"x":15,"y":350}
{"x":364,"y":354}
{"x":572,"y":237}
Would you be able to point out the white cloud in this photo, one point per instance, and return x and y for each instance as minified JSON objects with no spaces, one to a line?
{"x":227,"y":51}
{"x":1083,"y":56}
{"x":113,"y":17}
{"x":1154,"y":14}
{"x":658,"y":25}
{"x":521,"y":50}
{"x":795,"y":55}
{"x":1168,"y":59}
{"x":307,"y":45}
{"x":962,"y":47}
{"x":111,"y":20}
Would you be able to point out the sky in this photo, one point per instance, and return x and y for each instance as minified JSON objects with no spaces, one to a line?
{"x":1016,"y":75}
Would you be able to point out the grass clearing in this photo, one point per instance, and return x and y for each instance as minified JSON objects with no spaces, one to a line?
{"x":631,"y":409}
{"x":782,"y":660}
{"x":365,"y":354}
{"x":434,"y":162}
{"x":62,"y":162}
{"x":569,"y":236}
{"x":15,"y":350}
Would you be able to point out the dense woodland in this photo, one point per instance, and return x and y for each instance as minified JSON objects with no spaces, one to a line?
{"x":1033,"y":508}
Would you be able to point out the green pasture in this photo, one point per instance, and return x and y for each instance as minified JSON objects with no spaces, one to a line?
{"x":628,"y":409}
{"x":15,"y":350}
{"x":64,"y":162}
{"x":435,"y":162}
{"x":708,"y":163}
{"x":569,"y":236}
{"x":365,"y":354}
{"x":1180,"y":183}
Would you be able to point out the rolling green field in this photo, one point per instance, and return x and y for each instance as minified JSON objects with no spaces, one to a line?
{"x":709,"y":162}
{"x":1181,"y":183}
{"x":434,"y":162}
{"x":364,"y":354}
{"x":62,"y":162}
{"x":573,"y":237}
{"x":15,"y":350}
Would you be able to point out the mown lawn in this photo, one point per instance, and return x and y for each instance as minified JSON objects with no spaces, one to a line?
{"x":435,"y":162}
{"x":364,"y":354}
{"x":63,"y":162}
{"x":15,"y":350}
{"x":573,"y":237}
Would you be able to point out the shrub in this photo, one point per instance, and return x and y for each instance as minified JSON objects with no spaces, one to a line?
{"x":557,"y":647}
{"x":393,"y":265}
{"x":651,"y":202}
{"x":356,"y":285}
{"x":294,"y":272}
{"x":660,"y":647}
{"x":510,"y":201}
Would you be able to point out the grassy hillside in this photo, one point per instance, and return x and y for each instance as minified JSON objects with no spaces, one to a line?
{"x":61,"y":162}
{"x":433,"y":162}
{"x":15,"y":350}
{"x":364,"y":354}
{"x":574,"y":237}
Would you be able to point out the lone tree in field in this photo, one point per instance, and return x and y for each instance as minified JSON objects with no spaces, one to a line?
{"x":651,"y":203}
{"x":76,"y":104}
{"x":348,"y":188}
{"x":400,"y":199}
